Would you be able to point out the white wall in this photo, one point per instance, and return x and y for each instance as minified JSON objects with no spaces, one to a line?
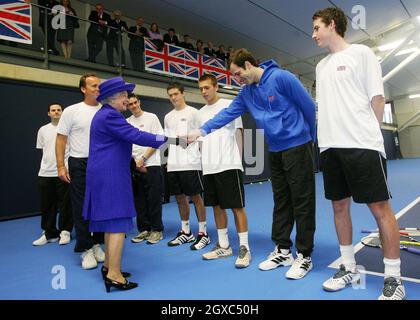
{"x":410,"y":137}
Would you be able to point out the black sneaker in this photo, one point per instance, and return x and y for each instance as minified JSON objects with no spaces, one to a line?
{"x":201,"y":241}
{"x":181,"y":238}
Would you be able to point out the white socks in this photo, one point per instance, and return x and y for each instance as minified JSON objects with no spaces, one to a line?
{"x":392,"y":268}
{"x":223,"y":238}
{"x":243,"y":239}
{"x":186,"y":226}
{"x":202,"y":227}
{"x":347,"y":257}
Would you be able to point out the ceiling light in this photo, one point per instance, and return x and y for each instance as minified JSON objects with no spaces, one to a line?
{"x":390,"y":46}
{"x":414,"y":96}
{"x":406,"y":51}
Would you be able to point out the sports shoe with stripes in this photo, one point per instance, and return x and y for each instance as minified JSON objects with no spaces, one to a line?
{"x":393,"y":290}
{"x":218,"y":252}
{"x":181,"y":238}
{"x":244,"y":258}
{"x":277,"y":258}
{"x":300,"y":267}
{"x":341,"y":279}
{"x":201,"y":241}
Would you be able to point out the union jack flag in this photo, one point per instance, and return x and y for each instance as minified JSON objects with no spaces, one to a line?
{"x":15,"y":21}
{"x":179,"y":62}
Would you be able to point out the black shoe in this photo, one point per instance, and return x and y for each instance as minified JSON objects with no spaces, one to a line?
{"x":127,"y":285}
{"x":104,"y":271}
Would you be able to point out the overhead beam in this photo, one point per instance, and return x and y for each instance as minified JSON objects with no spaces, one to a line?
{"x":402,"y":65}
{"x":410,"y":121}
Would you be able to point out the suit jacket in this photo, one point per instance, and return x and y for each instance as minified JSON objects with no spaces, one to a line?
{"x":137,"y":42}
{"x":49,"y":4}
{"x":113,"y":33}
{"x":96,"y":30}
{"x":109,"y":192}
{"x":210,"y":52}
{"x":174,"y":40}
{"x":188,"y":46}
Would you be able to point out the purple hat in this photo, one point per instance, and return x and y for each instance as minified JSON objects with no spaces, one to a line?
{"x":112,"y":86}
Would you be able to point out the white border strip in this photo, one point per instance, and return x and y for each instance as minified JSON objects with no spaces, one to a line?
{"x":359,"y":246}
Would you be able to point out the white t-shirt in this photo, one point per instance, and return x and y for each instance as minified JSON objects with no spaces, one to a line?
{"x":150,"y":123}
{"x":179,"y":123}
{"x":46,"y":138}
{"x":75,"y":124}
{"x":219,"y":151}
{"x":346,"y":83}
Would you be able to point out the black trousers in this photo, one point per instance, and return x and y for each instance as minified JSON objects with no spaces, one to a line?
{"x":95,"y":44}
{"x":137,"y":60}
{"x":50,"y":36}
{"x":55,"y":197}
{"x":147,"y":188}
{"x":110,"y":46}
{"x":293,"y":183}
{"x":84,"y":239}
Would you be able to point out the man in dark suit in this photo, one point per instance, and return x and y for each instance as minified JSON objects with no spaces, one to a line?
{"x":210,"y":51}
{"x":114,"y":38}
{"x":187,"y":43}
{"x":171,"y":38}
{"x":97,"y":32}
{"x":136,"y":46}
{"x":48,"y":4}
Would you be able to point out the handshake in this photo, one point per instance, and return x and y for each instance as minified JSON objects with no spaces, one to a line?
{"x":185,"y":141}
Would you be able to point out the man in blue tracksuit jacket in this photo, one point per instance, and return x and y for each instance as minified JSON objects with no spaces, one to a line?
{"x":283,"y":108}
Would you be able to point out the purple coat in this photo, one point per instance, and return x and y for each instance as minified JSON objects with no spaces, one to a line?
{"x":109,"y":192}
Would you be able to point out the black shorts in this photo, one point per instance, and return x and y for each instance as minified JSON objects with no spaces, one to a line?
{"x":189,"y":183}
{"x":224,"y":189}
{"x":357,"y":173}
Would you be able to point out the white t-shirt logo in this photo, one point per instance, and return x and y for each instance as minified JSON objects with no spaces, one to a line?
{"x":341,"y":68}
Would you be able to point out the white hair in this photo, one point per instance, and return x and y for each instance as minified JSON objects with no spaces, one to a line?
{"x":110,"y":99}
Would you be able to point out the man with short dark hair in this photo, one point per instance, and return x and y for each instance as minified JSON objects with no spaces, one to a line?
{"x":147,"y":176}
{"x":184,"y":170}
{"x":222,"y":174}
{"x":54,"y":193}
{"x":351,"y":103}
{"x":284,"y":109}
{"x":74,"y":128}
{"x":186,"y":44}
{"x":171,"y":38}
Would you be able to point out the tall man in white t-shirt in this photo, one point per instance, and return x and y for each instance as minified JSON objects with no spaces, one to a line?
{"x":54,"y":193}
{"x":147,"y":179}
{"x":74,"y":128}
{"x":222,"y":174}
{"x":184,"y":169}
{"x":351,"y":102}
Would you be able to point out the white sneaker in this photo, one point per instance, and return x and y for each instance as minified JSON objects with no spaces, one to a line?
{"x":98,"y":253}
{"x":244,"y":258}
{"x":218,"y":252}
{"x":276,"y":259}
{"x":341,"y":279}
{"x":88,"y":260}
{"x":393,"y":290}
{"x":300,"y":267}
{"x":65,"y":237}
{"x":43,"y":240}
